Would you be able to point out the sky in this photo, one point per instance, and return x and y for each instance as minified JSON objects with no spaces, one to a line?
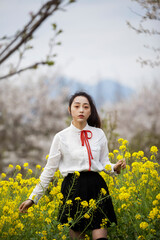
{"x":96,"y":41}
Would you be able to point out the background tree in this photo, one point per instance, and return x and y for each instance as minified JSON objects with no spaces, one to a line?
{"x":20,"y":42}
{"x":151,"y":14}
{"x":137,"y":119}
{"x":29,"y":118}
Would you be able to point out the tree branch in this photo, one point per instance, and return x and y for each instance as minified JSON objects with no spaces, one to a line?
{"x":46,"y":10}
{"x":33,"y":66}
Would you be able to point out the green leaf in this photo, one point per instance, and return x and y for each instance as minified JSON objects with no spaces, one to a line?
{"x":54,"y":26}
{"x":50,"y":63}
{"x":59,"y":32}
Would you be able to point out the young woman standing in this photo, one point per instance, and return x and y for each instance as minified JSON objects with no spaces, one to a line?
{"x":81,"y":147}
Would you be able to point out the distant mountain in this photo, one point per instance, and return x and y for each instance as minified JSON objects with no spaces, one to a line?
{"x":102,"y":92}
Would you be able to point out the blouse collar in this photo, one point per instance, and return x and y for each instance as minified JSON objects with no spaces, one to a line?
{"x":75,"y":129}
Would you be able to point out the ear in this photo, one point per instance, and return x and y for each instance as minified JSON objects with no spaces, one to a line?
{"x":69,"y":110}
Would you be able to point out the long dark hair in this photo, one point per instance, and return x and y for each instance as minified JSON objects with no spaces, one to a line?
{"x":94,"y":119}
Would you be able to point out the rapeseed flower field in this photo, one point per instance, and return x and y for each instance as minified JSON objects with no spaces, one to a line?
{"x":135,"y":194}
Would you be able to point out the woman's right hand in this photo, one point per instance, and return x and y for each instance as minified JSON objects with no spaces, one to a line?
{"x":25,"y":205}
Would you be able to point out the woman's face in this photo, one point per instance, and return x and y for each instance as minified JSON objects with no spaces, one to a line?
{"x":80,"y":109}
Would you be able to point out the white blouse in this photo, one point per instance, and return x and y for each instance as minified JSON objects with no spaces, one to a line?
{"x":71,"y":151}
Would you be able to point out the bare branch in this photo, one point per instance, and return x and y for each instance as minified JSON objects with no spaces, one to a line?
{"x":12,"y":44}
{"x":23,"y":36}
{"x":143,"y":30}
{"x":151,"y":13}
{"x":148,"y":62}
{"x":33,"y":66}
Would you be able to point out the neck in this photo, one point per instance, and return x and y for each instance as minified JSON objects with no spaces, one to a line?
{"x":79,"y":125}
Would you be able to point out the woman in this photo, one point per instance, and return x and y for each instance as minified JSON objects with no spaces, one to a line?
{"x":81,"y":147}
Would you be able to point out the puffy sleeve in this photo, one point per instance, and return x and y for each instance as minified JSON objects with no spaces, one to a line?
{"x":49,"y":170}
{"x":104,"y":158}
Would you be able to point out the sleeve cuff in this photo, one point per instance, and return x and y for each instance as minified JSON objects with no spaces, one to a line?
{"x":34,"y":198}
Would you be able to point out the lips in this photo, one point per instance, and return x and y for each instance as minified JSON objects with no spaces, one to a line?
{"x":81,"y":116}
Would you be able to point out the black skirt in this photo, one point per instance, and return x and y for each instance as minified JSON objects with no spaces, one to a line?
{"x":86,"y":201}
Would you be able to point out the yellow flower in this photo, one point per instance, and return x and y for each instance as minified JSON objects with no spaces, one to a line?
{"x":77,"y":173}
{"x":138,"y":216}
{"x":77,"y":198}
{"x":43,"y":238}
{"x":144,"y":177}
{"x":122,"y":148}
{"x":104,"y":223}
{"x":92,"y":203}
{"x":124,"y":196}
{"x":155,"y":202}
{"x":47,"y":156}
{"x":63,"y":237}
{"x":120,"y":140}
{"x":134,"y":154}
{"x":153,"y":231}
{"x":140,"y":154}
{"x":119,"y":157}
{"x":124,"y":206}
{"x":57,"y":173}
{"x":115,"y":151}
{"x":5,"y":209}
{"x":111,"y":155}
{"x":127,"y":155}
{"x":136,"y":165}
{"x":125,"y":142}
{"x":144,"y":225}
{"x":10,"y":166}
{"x":69,"y":202}
{"x":103,"y":191}
{"x":84,"y":204}
{"x":20,"y":226}
{"x":44,"y":233}
{"x":69,"y":219}
{"x":154,"y":150}
{"x":30,"y":171}
{"x":158,"y":196}
{"x":153,"y":213}
{"x":154,"y":173}
{"x":25,"y":164}
{"x":18,"y":168}
{"x":3,"y":175}
{"x":38,"y":166}
{"x":86,"y":215}
{"x":60,"y":227}
{"x":108,"y":168}
{"x":86,"y":237}
{"x":60,"y":196}
{"x":141,"y":237}
{"x":48,"y":220}
{"x":19,"y":176}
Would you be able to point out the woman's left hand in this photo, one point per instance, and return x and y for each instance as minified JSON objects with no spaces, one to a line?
{"x":121,"y":164}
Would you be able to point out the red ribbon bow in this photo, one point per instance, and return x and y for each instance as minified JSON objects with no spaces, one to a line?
{"x":84,"y":140}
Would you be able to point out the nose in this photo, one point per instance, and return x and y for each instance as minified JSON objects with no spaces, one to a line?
{"x":81,"y":109}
